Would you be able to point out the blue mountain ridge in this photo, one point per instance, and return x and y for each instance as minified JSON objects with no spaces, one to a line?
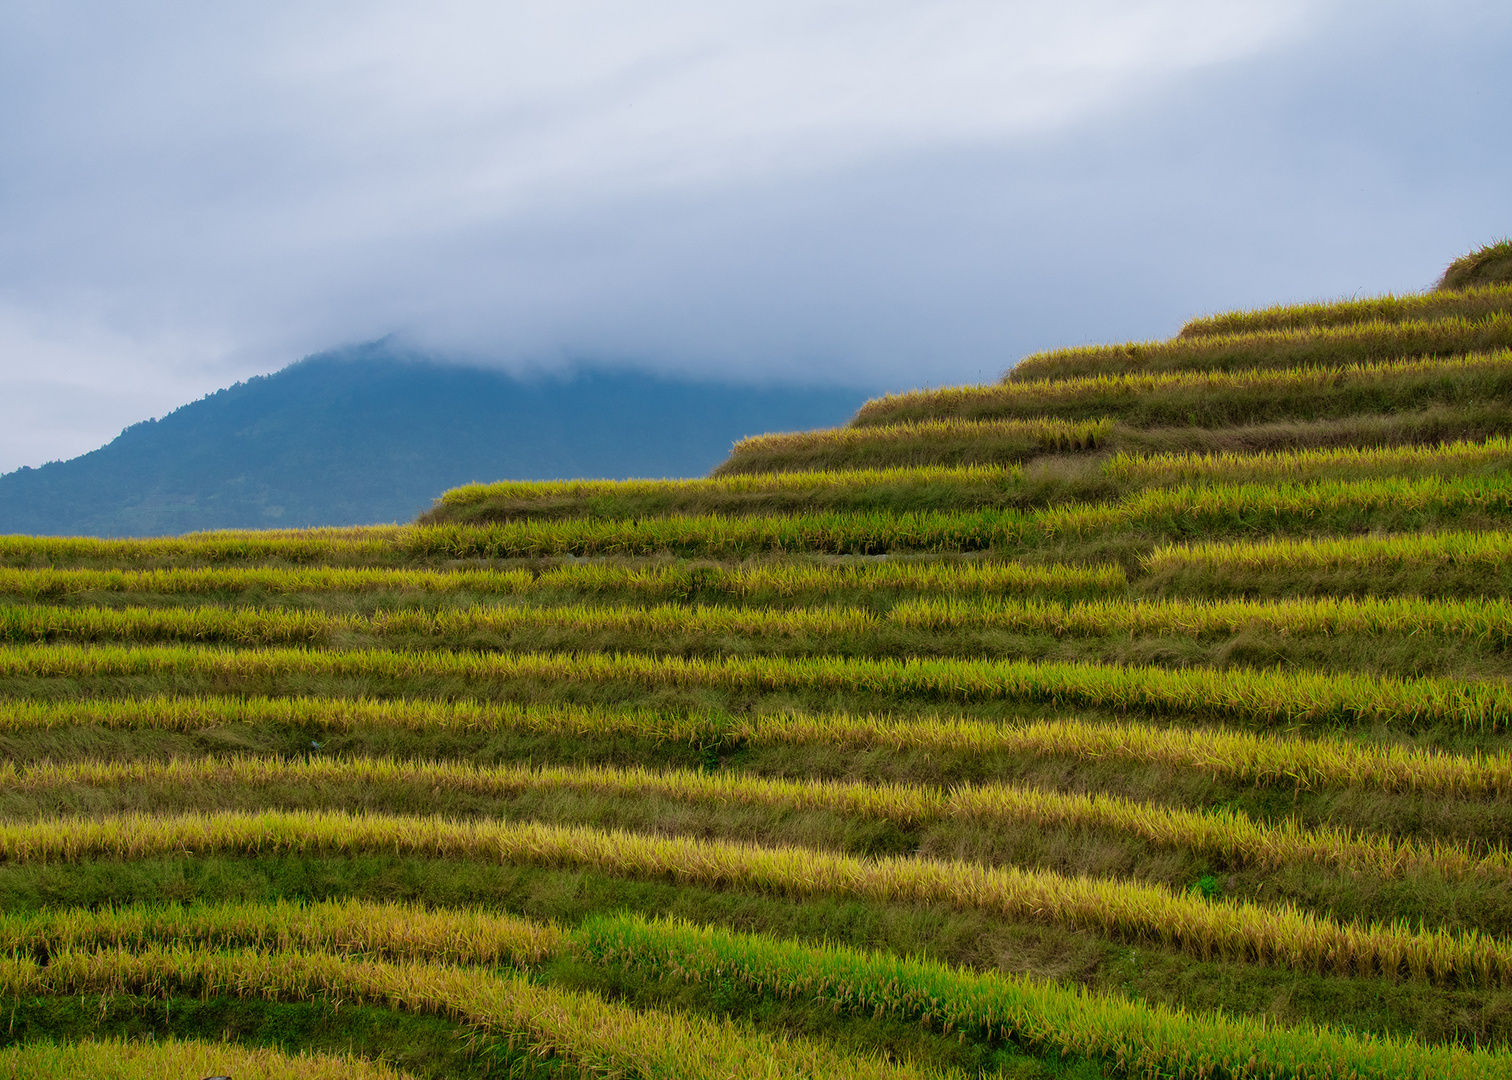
{"x":367,"y":435}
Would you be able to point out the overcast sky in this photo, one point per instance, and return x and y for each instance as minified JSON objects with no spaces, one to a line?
{"x":883,"y":194}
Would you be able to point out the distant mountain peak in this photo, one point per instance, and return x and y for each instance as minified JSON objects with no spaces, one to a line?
{"x":372,"y":433}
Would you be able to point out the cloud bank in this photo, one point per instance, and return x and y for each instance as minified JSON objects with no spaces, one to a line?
{"x":881,"y":194}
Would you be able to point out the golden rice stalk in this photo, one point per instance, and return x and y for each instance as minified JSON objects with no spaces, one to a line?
{"x":1256,"y":757}
{"x":1489,"y":550}
{"x":784,"y":579}
{"x":1047,"y":433}
{"x":1222,"y":834}
{"x":1291,"y":464}
{"x":821,"y":480}
{"x":1469,"y":303}
{"x":122,"y":1059}
{"x":392,"y":931}
{"x":1048,"y":394}
{"x":1042,"y":1016}
{"x":1237,"y":930}
{"x":1270,"y":697}
{"x":588,"y":1033}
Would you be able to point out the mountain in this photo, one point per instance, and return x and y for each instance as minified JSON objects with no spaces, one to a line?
{"x":366,"y":435}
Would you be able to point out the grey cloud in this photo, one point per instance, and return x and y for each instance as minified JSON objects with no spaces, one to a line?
{"x":193,"y":195}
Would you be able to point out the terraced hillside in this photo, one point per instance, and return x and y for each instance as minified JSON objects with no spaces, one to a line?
{"x":1146,"y":714}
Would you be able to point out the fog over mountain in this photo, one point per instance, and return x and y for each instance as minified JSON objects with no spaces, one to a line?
{"x":371,"y":434}
{"x":886,"y":194}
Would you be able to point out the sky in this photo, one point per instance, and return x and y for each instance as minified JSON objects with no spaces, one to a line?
{"x":882,"y":195}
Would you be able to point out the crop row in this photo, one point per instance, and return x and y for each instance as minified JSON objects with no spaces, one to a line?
{"x":1296,"y":464}
{"x":1476,"y":303}
{"x":1272,"y":507}
{"x":1486,"y":550}
{"x":1213,"y":398}
{"x":1225,"y":835}
{"x":1251,"y":757}
{"x":785,"y":579}
{"x":1313,"y":346}
{"x":850,"y":447}
{"x":1209,"y":929}
{"x":951,"y":488}
{"x":594,"y":1036}
{"x":120,"y":1059}
{"x":1488,"y":620}
{"x":709,"y":535}
{"x":384,"y":931}
{"x":741,"y":484}
{"x":1254,"y":696}
{"x":1179,"y":509}
{"x":1483,"y":620}
{"x":1136,"y":1039}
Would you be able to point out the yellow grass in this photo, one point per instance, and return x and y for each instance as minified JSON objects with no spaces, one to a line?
{"x":1483,"y":620}
{"x":1147,"y":1039}
{"x":389,"y":931}
{"x":171,"y":1059}
{"x":820,"y":480}
{"x":1488,"y":550}
{"x":1223,"y":834}
{"x":1289,"y":697}
{"x":1296,"y":464}
{"x":1488,"y":620}
{"x":781,"y":578}
{"x":1240,"y":755}
{"x":1049,"y":394}
{"x":1236,"y":930}
{"x":1256,"y":507}
{"x":590,"y":1034}
{"x":1469,"y":303}
{"x":1046,"y":433}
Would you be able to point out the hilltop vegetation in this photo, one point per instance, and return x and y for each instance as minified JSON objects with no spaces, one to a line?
{"x":370,"y":434}
{"x":1488,"y":265}
{"x":1147,"y":713}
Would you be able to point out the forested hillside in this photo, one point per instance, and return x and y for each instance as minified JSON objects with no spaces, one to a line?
{"x":370,"y":435}
{"x":1143,"y":714}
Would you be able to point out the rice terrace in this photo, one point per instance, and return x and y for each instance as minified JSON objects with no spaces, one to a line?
{"x":1147,"y":714}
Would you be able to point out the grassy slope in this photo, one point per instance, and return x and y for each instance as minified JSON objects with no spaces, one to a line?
{"x":780,"y":565}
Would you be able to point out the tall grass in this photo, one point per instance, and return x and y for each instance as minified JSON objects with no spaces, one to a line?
{"x":1252,"y":508}
{"x":588,"y":490}
{"x":1237,"y":930}
{"x":1223,"y":835}
{"x":1303,"y":347}
{"x":1132,"y":1038}
{"x":1175,"y":510}
{"x":226,"y":545}
{"x":709,"y":536}
{"x":928,"y":442}
{"x":1477,"y":303}
{"x":1487,"y":621}
{"x":779,"y":579}
{"x":387,"y":931}
{"x":1262,"y":697}
{"x":121,"y":1059}
{"x":1487,"y":550}
{"x":591,"y":1035}
{"x":1332,"y":504}
{"x":957,"y":487}
{"x":1300,"y":464}
{"x":1213,"y":399}
{"x":1250,"y":757}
